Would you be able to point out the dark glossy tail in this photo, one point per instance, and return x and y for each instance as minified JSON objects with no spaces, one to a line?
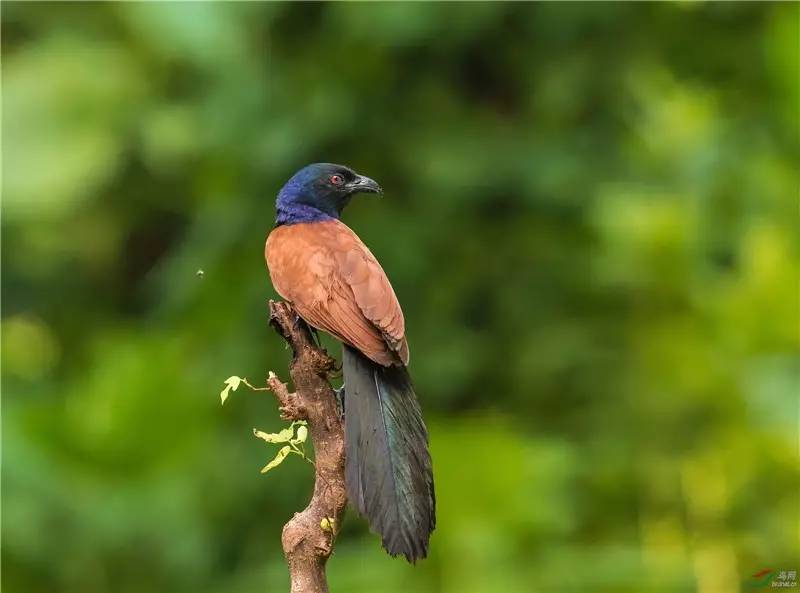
{"x":388,"y":468}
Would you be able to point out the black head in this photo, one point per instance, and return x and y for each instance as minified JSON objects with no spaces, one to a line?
{"x":320,"y":192}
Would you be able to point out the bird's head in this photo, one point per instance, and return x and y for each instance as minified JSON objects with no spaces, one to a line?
{"x":320,"y":192}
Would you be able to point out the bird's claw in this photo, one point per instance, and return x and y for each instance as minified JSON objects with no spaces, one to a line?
{"x":339,"y":393}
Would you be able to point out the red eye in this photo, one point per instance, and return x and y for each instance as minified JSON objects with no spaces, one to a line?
{"x":337,"y":180}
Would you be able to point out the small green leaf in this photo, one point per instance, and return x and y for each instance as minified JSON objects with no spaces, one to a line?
{"x":278,"y":459}
{"x":234,"y":382}
{"x":327,"y":524}
{"x":302,"y":435}
{"x":231,"y":384}
{"x":284,"y":436}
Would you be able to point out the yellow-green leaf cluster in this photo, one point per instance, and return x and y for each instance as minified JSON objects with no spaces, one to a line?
{"x":295,"y":435}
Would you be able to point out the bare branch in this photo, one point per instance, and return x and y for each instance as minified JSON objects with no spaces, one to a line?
{"x":309,"y":535}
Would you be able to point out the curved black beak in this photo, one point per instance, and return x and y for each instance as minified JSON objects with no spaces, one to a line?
{"x":364,"y":185}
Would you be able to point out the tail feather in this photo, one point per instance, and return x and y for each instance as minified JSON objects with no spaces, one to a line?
{"x":388,"y":466}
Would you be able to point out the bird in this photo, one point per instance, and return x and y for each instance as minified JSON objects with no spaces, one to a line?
{"x":335,"y":284}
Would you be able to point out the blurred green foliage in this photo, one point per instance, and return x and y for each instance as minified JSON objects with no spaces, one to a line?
{"x":590,"y":219}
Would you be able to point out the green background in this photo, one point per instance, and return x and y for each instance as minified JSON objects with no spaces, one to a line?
{"x":590,"y":219}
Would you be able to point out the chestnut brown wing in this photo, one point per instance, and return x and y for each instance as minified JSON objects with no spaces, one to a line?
{"x":337,"y":285}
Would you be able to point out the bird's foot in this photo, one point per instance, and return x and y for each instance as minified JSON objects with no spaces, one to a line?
{"x":340,"y":400}
{"x":315,"y":337}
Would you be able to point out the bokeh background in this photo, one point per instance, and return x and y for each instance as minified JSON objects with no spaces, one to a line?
{"x":591,"y":220}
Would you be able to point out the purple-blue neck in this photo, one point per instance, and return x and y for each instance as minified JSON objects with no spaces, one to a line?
{"x":294,"y":213}
{"x":294,"y":204}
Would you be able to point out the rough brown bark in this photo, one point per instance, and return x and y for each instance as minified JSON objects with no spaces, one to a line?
{"x":309,"y":535}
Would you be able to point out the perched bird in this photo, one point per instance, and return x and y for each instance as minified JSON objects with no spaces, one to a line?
{"x":336,"y":285}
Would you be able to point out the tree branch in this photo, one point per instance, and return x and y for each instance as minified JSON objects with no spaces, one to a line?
{"x":309,"y":535}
